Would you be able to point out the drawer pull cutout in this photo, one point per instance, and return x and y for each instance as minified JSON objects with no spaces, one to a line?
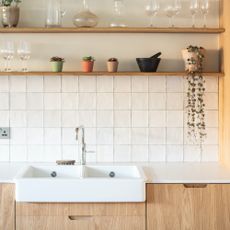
{"x":195,"y":185}
{"x":86,"y":218}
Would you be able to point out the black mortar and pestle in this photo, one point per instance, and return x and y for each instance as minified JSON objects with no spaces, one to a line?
{"x":149,"y":64}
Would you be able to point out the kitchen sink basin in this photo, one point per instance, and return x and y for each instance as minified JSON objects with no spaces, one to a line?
{"x":91,"y":183}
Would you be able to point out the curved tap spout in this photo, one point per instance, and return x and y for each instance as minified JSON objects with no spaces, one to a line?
{"x":82,"y":142}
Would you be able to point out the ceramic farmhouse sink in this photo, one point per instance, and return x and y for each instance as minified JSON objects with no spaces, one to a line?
{"x":80,"y":184}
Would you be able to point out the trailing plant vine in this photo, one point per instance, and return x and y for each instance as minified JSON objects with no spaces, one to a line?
{"x":195,"y":95}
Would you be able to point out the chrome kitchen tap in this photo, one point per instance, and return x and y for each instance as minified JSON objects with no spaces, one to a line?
{"x":83,"y":144}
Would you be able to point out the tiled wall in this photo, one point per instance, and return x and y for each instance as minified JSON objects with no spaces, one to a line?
{"x":136,"y":119}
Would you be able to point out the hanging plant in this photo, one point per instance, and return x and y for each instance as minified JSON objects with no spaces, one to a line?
{"x":193,"y":57}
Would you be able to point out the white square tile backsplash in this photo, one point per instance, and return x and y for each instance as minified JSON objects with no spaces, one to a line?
{"x":134,"y":119}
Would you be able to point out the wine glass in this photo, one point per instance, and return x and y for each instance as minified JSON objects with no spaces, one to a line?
{"x":172,"y":10}
{"x":194,"y":9}
{"x":152,"y":9}
{"x":204,"y":10}
{"x":24,"y":52}
{"x":7,"y":51}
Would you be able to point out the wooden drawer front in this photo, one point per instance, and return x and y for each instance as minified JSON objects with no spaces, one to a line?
{"x":82,"y":216}
{"x":85,"y":209}
{"x":80,"y":223}
{"x":188,"y":207}
{"x":7,"y":207}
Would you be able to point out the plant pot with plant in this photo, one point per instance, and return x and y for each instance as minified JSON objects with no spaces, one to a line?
{"x":57,"y":64}
{"x":193,"y":56}
{"x":87,"y":64}
{"x":10,"y":12}
{"x":196,"y":125}
{"x":112,"y":65}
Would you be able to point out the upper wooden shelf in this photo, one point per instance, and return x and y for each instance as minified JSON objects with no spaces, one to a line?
{"x":112,"y":30}
{"x":104,"y":73}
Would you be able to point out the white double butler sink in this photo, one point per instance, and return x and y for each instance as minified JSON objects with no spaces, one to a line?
{"x":80,"y":184}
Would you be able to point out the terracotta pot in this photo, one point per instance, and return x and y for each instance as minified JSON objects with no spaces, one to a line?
{"x":112,"y":66}
{"x":87,"y":66}
{"x":187,"y":56}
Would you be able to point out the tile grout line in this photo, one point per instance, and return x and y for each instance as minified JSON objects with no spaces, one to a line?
{"x":26,"y":109}
{"x":166,"y":119}
{"x":43,"y":113}
{"x":61,"y":117}
{"x":96,"y":82}
{"x":184,"y":114}
{"x":148,"y":110}
{"x":9,"y":121}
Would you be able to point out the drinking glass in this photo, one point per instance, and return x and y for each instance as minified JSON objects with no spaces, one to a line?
{"x":172,"y":10}
{"x":152,"y":9}
{"x":204,"y":10}
{"x":118,"y":17}
{"x":24,"y":52}
{"x":194,"y":9}
{"x":54,"y":13}
{"x":7,"y":51}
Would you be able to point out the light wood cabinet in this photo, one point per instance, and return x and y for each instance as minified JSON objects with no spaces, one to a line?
{"x":7,"y":207}
{"x":188,"y":207}
{"x":116,"y":216}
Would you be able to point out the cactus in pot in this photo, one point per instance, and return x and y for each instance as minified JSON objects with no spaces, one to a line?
{"x":87,"y":64}
{"x":112,"y":65}
{"x":57,"y":64}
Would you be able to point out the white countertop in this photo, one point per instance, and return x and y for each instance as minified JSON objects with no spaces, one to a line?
{"x":155,"y":172}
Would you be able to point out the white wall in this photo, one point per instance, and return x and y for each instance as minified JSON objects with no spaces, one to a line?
{"x":126,"y":47}
{"x":127,"y":118}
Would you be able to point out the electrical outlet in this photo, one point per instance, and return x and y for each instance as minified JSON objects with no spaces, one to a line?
{"x":4,"y":133}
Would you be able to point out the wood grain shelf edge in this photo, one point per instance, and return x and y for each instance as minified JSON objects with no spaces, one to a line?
{"x":100,"y":73}
{"x":112,"y":30}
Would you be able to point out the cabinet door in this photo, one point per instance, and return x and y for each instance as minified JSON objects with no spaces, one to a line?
{"x":7,"y":204}
{"x":123,"y":216}
{"x":188,"y":207}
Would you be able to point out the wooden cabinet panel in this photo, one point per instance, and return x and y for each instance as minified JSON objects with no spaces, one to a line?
{"x":117,"y":216}
{"x":81,"y":223}
{"x":188,"y":208}
{"x":7,"y":207}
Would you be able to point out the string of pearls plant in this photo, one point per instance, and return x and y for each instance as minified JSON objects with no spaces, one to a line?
{"x":195,"y":107}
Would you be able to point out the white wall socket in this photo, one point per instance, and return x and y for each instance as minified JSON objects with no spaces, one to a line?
{"x":4,"y":133}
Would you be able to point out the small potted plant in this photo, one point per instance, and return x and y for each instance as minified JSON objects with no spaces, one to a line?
{"x":192,"y":56}
{"x":87,"y":64}
{"x":112,"y":65}
{"x":57,"y":64}
{"x":10,"y":12}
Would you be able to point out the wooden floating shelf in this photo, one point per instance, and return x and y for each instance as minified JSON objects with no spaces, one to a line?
{"x":100,"y":73}
{"x":113,"y":30}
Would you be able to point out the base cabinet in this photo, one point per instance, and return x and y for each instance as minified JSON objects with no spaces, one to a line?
{"x":7,"y":207}
{"x":188,"y":207}
{"x":117,"y":216}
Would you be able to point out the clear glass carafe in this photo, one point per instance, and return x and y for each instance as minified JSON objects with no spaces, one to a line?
{"x":118,"y":18}
{"x":54,"y":13}
{"x":85,"y":18}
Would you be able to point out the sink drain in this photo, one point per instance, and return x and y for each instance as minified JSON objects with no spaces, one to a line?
{"x":112,"y":174}
{"x":53,"y":174}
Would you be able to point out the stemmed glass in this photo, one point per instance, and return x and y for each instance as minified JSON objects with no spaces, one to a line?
{"x":152,"y":9}
{"x":172,"y":10}
{"x":7,"y":51}
{"x":194,"y":9}
{"x":204,"y":10}
{"x":24,"y":52}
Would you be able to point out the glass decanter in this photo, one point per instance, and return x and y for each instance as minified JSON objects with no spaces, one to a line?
{"x":85,"y":18}
{"x":118,"y":19}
